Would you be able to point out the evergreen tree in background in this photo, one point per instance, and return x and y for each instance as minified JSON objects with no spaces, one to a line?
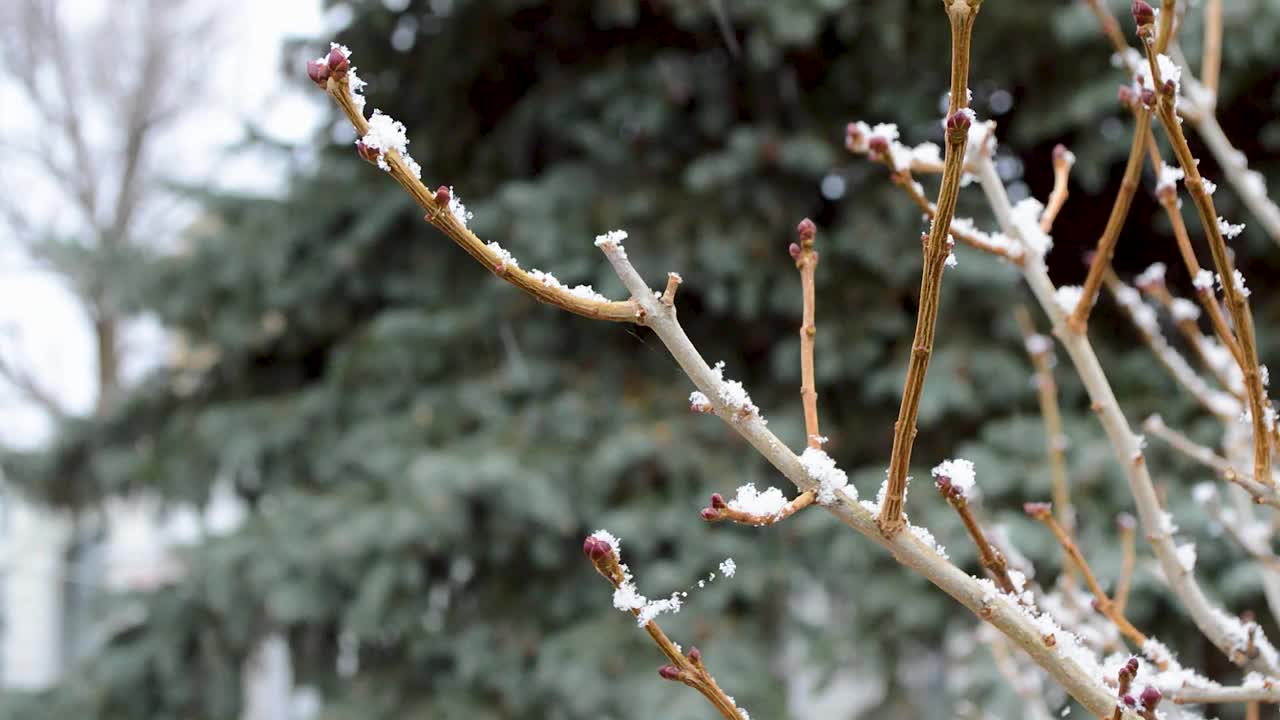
{"x":423,"y":447}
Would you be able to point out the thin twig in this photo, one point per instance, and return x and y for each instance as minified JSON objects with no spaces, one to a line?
{"x":1267,"y":692}
{"x":1211,"y":62}
{"x":1143,"y":317}
{"x":962,"y":14}
{"x":1063,"y":159}
{"x":1079,"y":319}
{"x":1040,"y":349}
{"x":975,"y":240}
{"x":807,"y":263}
{"x":720,"y":511}
{"x":438,"y":214}
{"x":687,"y":669}
{"x":1123,"y":441}
{"x":1128,"y":560}
{"x":1260,"y":493}
{"x":1043,"y":513}
{"x":1233,"y":291}
{"x":992,"y":559}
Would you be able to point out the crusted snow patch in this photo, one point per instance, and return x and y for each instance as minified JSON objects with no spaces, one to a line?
{"x":827,"y":475}
{"x":768,"y":503}
{"x":1067,"y":297}
{"x":959,"y":472}
{"x":733,"y":394}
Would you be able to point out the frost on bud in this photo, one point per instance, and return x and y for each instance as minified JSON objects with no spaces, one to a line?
{"x":879,"y":146}
{"x":1150,"y":697}
{"x":338,"y":62}
{"x":1037,"y":510}
{"x":318,"y":71}
{"x":1143,"y":14}
{"x":853,"y":137}
{"x":596,"y":549}
{"x":443,"y":195}
{"x":960,"y":120}
{"x":669,"y":672}
{"x":368,"y":153}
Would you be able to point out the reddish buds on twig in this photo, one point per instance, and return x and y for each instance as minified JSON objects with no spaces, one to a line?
{"x":338,"y":63}
{"x":1150,"y":699}
{"x":1148,"y":97}
{"x":1143,"y":14}
{"x":717,"y":501}
{"x":366,"y":152}
{"x":670,"y":672}
{"x":318,"y":71}
{"x":959,"y":121}
{"x":1126,"y":96}
{"x":1170,"y":88}
{"x":443,"y":196}
{"x":794,"y":249}
{"x":596,"y":549}
{"x":806,"y":230}
{"x":1037,"y":510}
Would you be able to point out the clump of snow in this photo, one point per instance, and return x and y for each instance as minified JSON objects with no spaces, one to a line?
{"x":830,"y":479}
{"x":1169,"y":177}
{"x":505,"y":259}
{"x":1184,"y":309}
{"x":457,"y":209}
{"x":923,"y":535}
{"x":1209,"y":186}
{"x":1169,"y":70}
{"x":765,"y":504}
{"x":1153,"y":275}
{"x":1238,"y":277}
{"x":1067,"y":297}
{"x":1228,"y":230}
{"x":613,"y":238}
{"x":733,"y":394}
{"x":385,"y":134}
{"x":959,"y":472}
{"x":1187,"y":556}
{"x":582,"y":291}
{"x":699,"y":402}
{"x":628,"y":598}
{"x":1203,"y":280}
{"x":1038,"y":344}
{"x":1141,"y":313}
{"x":728,"y":567}
{"x":1204,"y":493}
{"x":1026,"y":222}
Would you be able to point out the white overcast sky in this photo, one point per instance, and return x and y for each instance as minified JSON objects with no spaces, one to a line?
{"x":40,"y":321}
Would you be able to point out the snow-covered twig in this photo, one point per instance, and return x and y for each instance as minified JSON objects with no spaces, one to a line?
{"x":1044,"y":513}
{"x":1260,"y":493}
{"x":602,"y":548}
{"x":1040,"y":350}
{"x":954,"y":478}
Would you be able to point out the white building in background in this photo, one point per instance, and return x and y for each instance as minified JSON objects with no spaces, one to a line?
{"x":52,"y":573}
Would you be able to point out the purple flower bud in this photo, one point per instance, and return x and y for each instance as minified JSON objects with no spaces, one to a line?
{"x":1170,"y":88}
{"x":878,"y":145}
{"x":1037,"y":509}
{"x":1128,"y":700}
{"x":959,"y":120}
{"x":806,"y":230}
{"x":1151,"y":697}
{"x":1132,"y":666}
{"x":1148,"y":97}
{"x":443,"y":195}
{"x":1125,"y":95}
{"x":695,"y":654}
{"x":1143,"y":14}
{"x":717,"y":501}
{"x":318,"y":71}
{"x":709,"y":514}
{"x":366,"y":152}
{"x":852,"y":136}
{"x":794,"y":249}
{"x":1059,"y":152}
{"x":596,"y":549}
{"x":338,"y":63}
{"x":669,"y":672}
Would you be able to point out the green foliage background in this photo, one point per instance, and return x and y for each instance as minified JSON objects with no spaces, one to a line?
{"x":424,"y":448}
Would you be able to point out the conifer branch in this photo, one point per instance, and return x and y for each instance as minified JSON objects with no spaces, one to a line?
{"x":687,"y":669}
{"x":961,"y":14}
{"x":1043,"y":512}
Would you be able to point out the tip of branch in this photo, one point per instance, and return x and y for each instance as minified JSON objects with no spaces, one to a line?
{"x":806,"y":231}
{"x":670,"y":672}
{"x":1037,"y":510}
{"x":318,"y":71}
{"x":596,"y":549}
{"x":338,"y":61}
{"x":1143,"y":13}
